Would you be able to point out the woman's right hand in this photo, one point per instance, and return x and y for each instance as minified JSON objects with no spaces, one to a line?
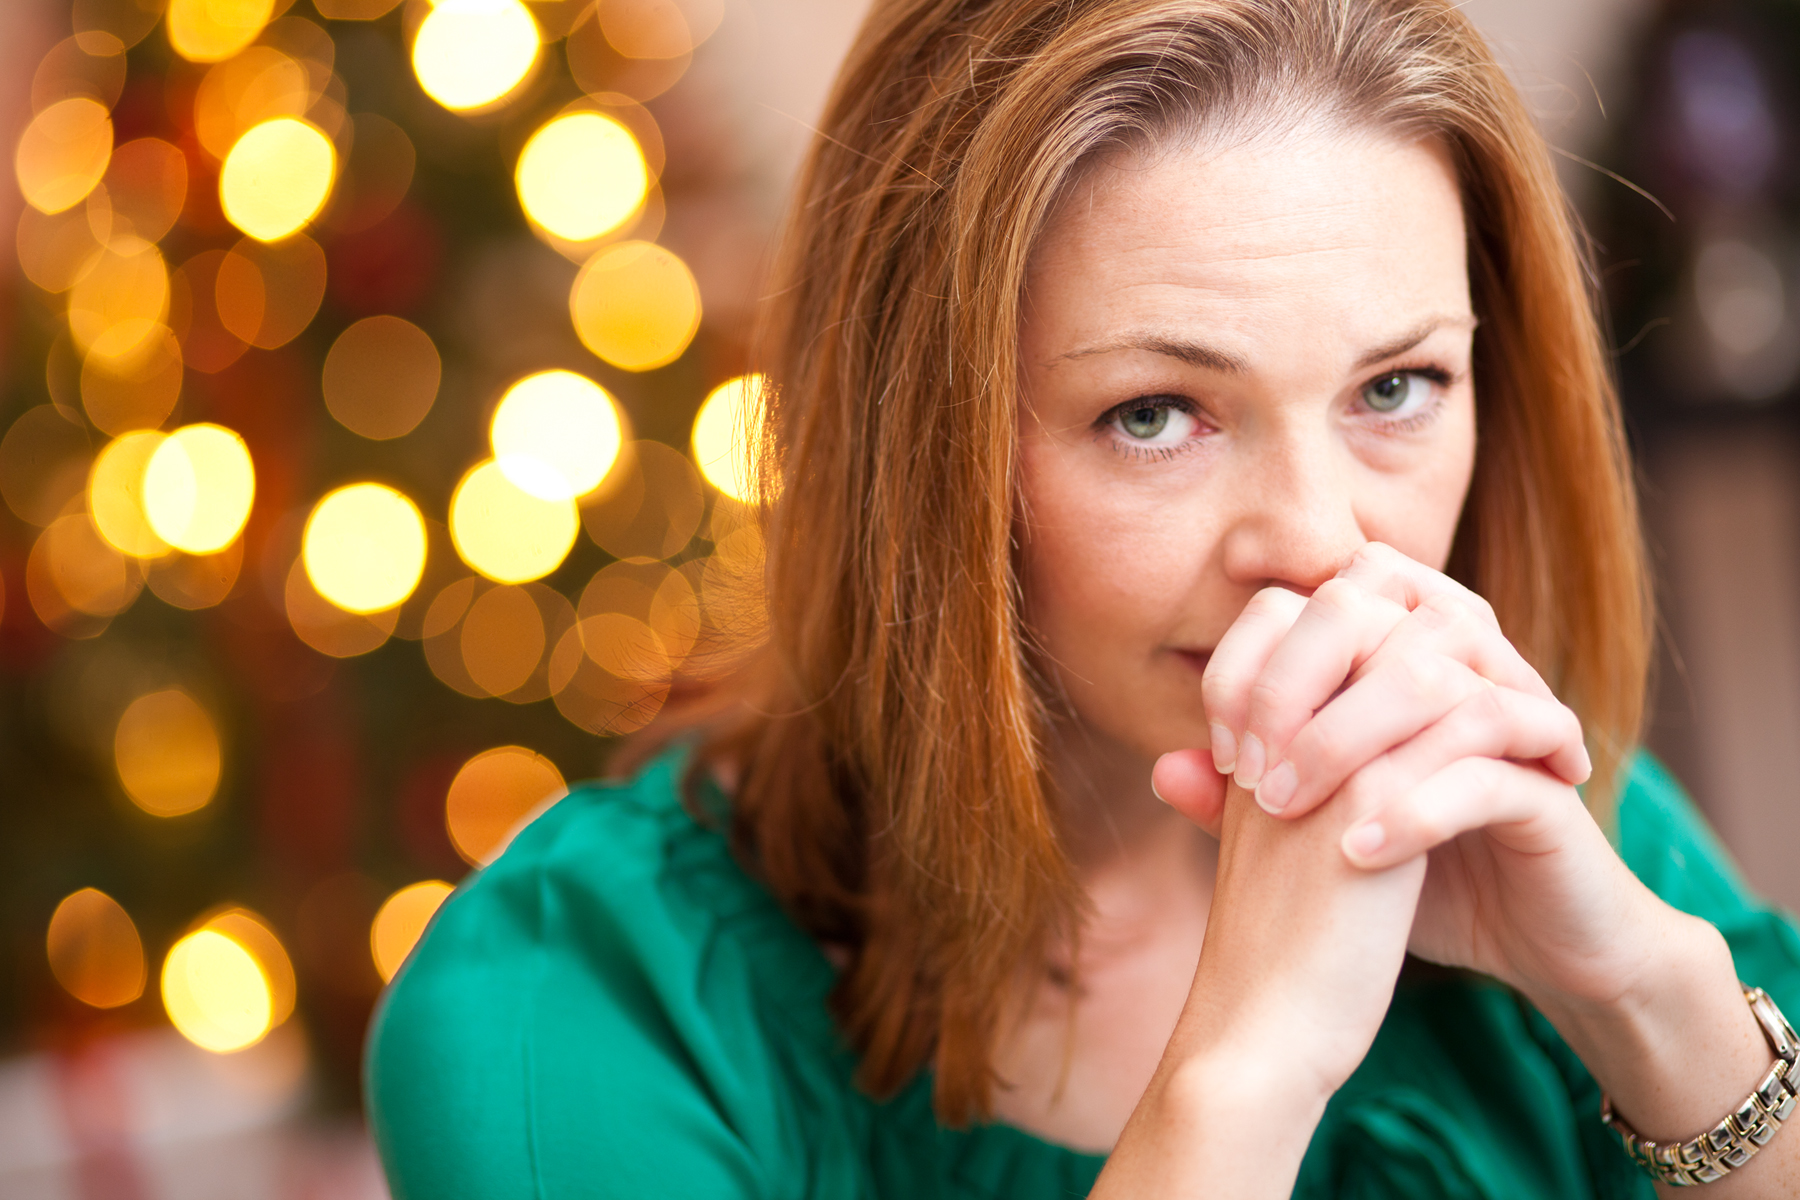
{"x":1299,"y":964}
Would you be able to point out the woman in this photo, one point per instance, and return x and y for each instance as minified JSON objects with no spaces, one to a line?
{"x":1197,"y":493}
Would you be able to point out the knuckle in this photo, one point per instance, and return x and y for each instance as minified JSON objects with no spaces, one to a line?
{"x":1269,"y":602}
{"x":1265,"y":696}
{"x":1420,"y":676}
{"x":1336,"y":594}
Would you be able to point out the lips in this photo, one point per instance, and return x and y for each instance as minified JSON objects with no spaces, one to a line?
{"x":1196,"y":659}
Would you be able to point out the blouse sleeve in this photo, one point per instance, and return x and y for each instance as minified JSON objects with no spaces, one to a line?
{"x":1669,"y":845}
{"x":539,"y":1042}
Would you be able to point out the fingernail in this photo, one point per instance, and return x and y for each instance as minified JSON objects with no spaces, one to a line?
{"x":1156,"y":793}
{"x":1224,"y":748}
{"x":1249,"y":762}
{"x":1362,"y":842}
{"x":1276,"y":791}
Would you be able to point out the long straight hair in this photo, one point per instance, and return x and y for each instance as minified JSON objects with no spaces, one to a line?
{"x":887,"y":737}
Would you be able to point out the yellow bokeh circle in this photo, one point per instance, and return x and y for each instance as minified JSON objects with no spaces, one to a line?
{"x":214,"y":30}
{"x":277,"y":178}
{"x":636,"y":305}
{"x":504,"y":531}
{"x":198,"y":488}
{"x":116,"y":494}
{"x":581,"y":175}
{"x":556,"y":434}
{"x":94,"y":950}
{"x":401,"y":921}
{"x":470,"y":53}
{"x":167,"y":752}
{"x":724,"y":447}
{"x":63,"y":153}
{"x":216,"y":993}
{"x":364,"y":547}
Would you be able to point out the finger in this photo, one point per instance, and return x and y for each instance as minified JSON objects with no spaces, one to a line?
{"x":1523,"y":807}
{"x":1499,"y":723}
{"x":1451,"y":626}
{"x":1438,"y":657}
{"x":1236,"y":662}
{"x":1186,"y":781}
{"x":1385,"y":708}
{"x":1341,"y":625}
{"x":1385,"y":571}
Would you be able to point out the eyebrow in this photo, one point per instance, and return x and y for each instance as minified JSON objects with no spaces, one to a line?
{"x":1195,"y":354}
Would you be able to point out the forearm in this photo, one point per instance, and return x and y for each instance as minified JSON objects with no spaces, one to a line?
{"x":1682,"y":1049}
{"x":1217,"y":1127}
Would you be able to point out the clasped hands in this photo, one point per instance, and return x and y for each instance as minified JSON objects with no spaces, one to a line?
{"x":1389,"y":704}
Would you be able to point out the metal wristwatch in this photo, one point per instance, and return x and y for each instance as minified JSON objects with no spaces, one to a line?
{"x":1735,"y":1140}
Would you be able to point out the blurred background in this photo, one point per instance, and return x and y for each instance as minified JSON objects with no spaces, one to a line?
{"x":371,"y":370}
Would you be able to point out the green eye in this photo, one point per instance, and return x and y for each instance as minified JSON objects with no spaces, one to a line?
{"x":1145,"y":422}
{"x":1390,"y":392}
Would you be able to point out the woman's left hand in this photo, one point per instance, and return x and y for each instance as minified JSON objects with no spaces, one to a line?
{"x":1393,"y":689}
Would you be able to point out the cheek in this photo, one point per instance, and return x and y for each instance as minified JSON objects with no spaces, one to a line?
{"x":1417,"y":512}
{"x":1106,"y":572}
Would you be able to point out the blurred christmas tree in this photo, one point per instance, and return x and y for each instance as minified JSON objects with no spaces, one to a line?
{"x":349,"y":501}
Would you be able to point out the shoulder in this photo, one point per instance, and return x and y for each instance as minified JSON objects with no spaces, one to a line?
{"x":588,"y":995}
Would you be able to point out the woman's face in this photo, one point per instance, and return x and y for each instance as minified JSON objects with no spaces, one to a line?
{"x":1238,"y":366}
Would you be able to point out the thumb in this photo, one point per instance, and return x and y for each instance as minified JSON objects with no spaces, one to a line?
{"x":1187,"y":783}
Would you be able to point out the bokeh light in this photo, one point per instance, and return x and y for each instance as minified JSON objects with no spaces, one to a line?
{"x":355,"y":10}
{"x":723,"y":445}
{"x":117,"y":307}
{"x":556,"y":434}
{"x":502,"y":639}
{"x":381,"y":377}
{"x":267,"y":294}
{"x":470,"y":53}
{"x":581,"y":175}
{"x":636,"y":305}
{"x":146,"y":187}
{"x":216,"y":993}
{"x":277,"y":178}
{"x":505,"y":532}
{"x":63,"y":154}
{"x":401,"y":921}
{"x":242,"y":92}
{"x":56,"y":251}
{"x":79,"y":66}
{"x":95,"y":951}
{"x":198,"y":488}
{"x":116,"y":494}
{"x":44,"y":461}
{"x":195,"y":581}
{"x":88,"y":574}
{"x":492,"y":793}
{"x":167,"y":753}
{"x":364,"y":547}
{"x":252,"y":932}
{"x":658,"y":28}
{"x":650,"y":505}
{"x":212,"y":30}
{"x":135,"y":392}
{"x":332,"y":631}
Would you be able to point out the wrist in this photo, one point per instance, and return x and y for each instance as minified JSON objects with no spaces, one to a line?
{"x":1677,"y":1047}
{"x":1227,"y":1121}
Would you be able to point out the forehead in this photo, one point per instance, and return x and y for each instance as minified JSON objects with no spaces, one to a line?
{"x":1315,"y":230}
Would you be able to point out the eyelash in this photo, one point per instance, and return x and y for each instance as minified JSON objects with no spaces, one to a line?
{"x":1439,"y":376}
{"x":1139,"y":450}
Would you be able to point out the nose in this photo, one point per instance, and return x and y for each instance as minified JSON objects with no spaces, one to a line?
{"x":1294,"y":522}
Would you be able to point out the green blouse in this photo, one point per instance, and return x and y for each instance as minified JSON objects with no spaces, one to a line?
{"x":613,"y":1009}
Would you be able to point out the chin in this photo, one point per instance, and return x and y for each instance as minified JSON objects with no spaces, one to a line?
{"x":1148,"y":714}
